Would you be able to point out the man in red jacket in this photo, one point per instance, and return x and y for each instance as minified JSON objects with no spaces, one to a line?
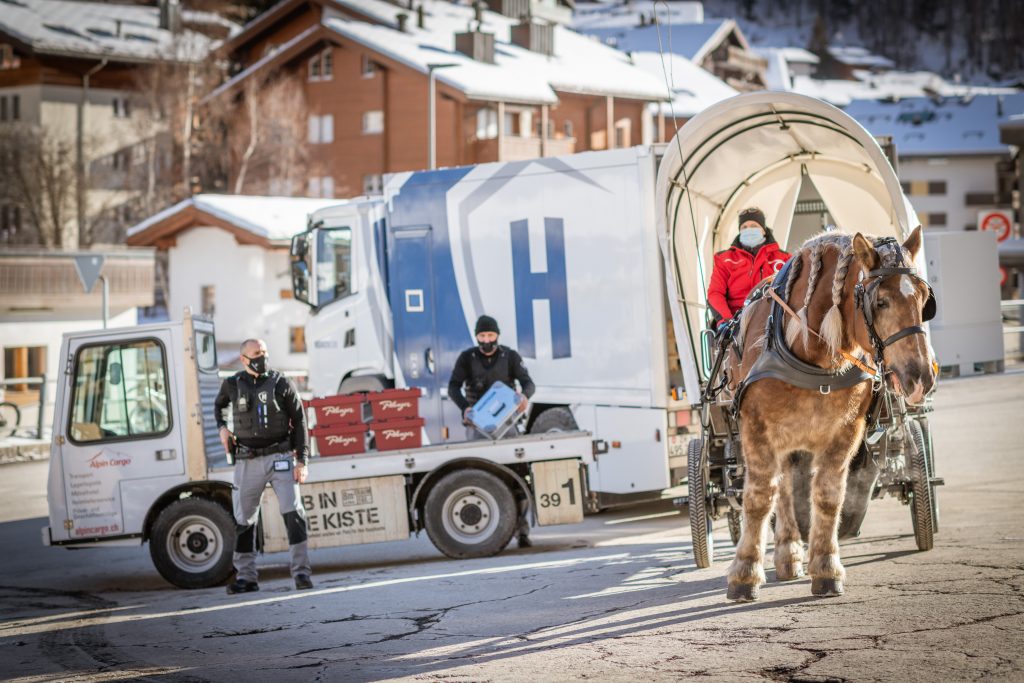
{"x":753,"y":256}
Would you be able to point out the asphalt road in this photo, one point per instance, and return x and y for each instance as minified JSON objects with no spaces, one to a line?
{"x":614,"y":598}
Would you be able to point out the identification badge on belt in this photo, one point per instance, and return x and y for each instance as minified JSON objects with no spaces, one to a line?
{"x":282,"y":465}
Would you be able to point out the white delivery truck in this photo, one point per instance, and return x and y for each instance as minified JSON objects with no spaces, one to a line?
{"x":135,"y":457}
{"x":563,"y":252}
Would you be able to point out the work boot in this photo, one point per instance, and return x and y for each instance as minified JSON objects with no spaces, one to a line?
{"x":524,"y":541}
{"x":303,"y":582}
{"x":242,"y":586}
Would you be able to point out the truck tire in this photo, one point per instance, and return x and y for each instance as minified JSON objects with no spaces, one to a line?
{"x":355,"y":385}
{"x":558,"y":419}
{"x":470,"y":513}
{"x":191,"y":543}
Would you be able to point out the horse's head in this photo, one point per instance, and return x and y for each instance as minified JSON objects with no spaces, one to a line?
{"x":894,"y":303}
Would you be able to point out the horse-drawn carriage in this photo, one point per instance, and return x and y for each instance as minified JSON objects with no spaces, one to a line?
{"x":815,"y":391}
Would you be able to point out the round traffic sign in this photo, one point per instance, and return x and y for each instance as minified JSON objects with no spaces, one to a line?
{"x":997,"y":222}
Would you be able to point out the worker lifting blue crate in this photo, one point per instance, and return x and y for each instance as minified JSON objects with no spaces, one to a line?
{"x":496,"y":412}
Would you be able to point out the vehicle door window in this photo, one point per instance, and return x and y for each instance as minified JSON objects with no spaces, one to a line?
{"x":333,"y":264}
{"x":206,"y":351}
{"x":119,"y":392}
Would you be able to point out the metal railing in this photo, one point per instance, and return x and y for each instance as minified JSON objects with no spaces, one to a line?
{"x":31,"y":381}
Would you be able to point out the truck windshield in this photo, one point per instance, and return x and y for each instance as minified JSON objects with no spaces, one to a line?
{"x":333,"y":264}
{"x":120,"y":392}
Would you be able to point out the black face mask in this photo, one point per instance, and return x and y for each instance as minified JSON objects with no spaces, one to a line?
{"x":258,"y":365}
{"x":488,"y":347}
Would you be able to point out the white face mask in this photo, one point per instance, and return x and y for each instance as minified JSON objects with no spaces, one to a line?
{"x":751,"y":237}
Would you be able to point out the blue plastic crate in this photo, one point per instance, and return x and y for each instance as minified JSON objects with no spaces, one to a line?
{"x":496,"y":412}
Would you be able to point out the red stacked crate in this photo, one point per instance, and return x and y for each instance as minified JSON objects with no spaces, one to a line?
{"x":339,"y":426}
{"x":396,"y":421}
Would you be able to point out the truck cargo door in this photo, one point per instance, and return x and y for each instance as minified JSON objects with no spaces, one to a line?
{"x":117,"y":426}
{"x":415,"y":317}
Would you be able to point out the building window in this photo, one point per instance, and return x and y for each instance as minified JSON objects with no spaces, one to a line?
{"x":937,"y":187}
{"x":486,"y":124}
{"x":208,"y":302}
{"x":122,"y":108}
{"x":373,"y":122}
{"x":297,"y":339}
{"x":10,"y":108}
{"x":568,"y":129}
{"x":623,"y":131}
{"x":937,"y":220}
{"x":525,"y":123}
{"x":7,"y":58}
{"x":10,"y":222}
{"x":510,"y":123}
{"x":905,"y":186}
{"x":321,"y":66}
{"x":321,"y":129}
{"x":373,"y":183}
{"x":321,"y":187}
{"x":368,"y":67}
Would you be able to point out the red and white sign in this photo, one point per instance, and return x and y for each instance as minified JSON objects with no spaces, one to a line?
{"x":1003,"y":276}
{"x":999,"y":222}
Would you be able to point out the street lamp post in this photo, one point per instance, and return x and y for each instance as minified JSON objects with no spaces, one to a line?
{"x":432,"y":115}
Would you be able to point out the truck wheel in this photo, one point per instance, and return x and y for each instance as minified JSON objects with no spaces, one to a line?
{"x":191,"y":543}
{"x":470,"y":513}
{"x":554,"y":420}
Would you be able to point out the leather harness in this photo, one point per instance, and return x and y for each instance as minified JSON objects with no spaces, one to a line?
{"x":777,"y":361}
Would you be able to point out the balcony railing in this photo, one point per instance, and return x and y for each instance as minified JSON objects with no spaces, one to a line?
{"x":32,"y":280}
{"x":518,"y":149}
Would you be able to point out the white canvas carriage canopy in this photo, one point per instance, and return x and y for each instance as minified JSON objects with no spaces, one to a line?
{"x":757,"y":149}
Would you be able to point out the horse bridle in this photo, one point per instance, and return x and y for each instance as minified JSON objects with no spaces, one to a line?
{"x":866,"y":289}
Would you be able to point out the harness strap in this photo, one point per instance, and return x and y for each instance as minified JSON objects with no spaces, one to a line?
{"x":851,"y":358}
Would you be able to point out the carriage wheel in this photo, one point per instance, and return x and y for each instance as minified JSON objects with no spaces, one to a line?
{"x":922,"y":509}
{"x":736,"y":525}
{"x":700,"y":520}
{"x":926,"y":434}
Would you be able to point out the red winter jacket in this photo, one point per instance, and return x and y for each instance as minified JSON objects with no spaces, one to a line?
{"x":737,"y":271}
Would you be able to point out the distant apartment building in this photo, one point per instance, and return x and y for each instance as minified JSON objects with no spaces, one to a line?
{"x":507,"y":86}
{"x":716,"y":45}
{"x":951,"y":161}
{"x":76,"y":131}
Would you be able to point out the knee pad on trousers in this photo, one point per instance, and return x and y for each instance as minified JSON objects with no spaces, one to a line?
{"x":295,"y":523}
{"x":245,"y":538}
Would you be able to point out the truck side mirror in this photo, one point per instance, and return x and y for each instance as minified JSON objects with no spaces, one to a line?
{"x":115,"y":374}
{"x":300,"y":246}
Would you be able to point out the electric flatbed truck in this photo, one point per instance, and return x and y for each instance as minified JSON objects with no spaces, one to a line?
{"x":135,"y":457}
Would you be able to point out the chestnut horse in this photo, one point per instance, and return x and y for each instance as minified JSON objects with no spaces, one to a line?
{"x":778,"y":419}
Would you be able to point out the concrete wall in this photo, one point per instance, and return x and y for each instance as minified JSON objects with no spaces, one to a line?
{"x":961,"y":174}
{"x":247,"y":281}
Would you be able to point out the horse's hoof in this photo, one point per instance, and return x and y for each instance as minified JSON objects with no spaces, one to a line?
{"x":826,"y":588}
{"x":787,"y":575}
{"x":741,"y":592}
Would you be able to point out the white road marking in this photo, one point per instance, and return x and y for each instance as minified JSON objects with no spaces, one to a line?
{"x":298,"y":595}
{"x":642,"y":517}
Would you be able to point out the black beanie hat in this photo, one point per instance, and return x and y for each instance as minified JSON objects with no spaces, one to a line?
{"x":486,"y":323}
{"x":752,"y":214}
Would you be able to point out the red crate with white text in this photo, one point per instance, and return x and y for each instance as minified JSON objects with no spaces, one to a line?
{"x":340,"y":439}
{"x":338,"y":410}
{"x":394,"y":435}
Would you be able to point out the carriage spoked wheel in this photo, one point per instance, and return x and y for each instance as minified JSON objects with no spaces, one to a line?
{"x":699,"y":503}
{"x":923,"y":510}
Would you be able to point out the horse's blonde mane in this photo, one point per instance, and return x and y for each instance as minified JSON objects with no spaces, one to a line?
{"x":815,"y":249}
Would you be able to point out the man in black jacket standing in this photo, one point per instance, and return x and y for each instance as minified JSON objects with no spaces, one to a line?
{"x":479,"y":367}
{"x":269,"y":444}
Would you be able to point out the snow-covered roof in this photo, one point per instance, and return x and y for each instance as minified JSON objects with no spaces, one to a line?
{"x":693,"y":88}
{"x":692,"y":41}
{"x":922,"y":126}
{"x":272,"y":218}
{"x":588,"y":15}
{"x":859,"y":56}
{"x":100,"y":29}
{"x":891,"y":85}
{"x":579,"y":65}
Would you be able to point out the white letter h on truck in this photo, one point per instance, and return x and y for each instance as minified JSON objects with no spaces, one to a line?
{"x":530,"y":286}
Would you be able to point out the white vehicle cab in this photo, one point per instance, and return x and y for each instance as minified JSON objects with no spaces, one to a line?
{"x":135,"y":457}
